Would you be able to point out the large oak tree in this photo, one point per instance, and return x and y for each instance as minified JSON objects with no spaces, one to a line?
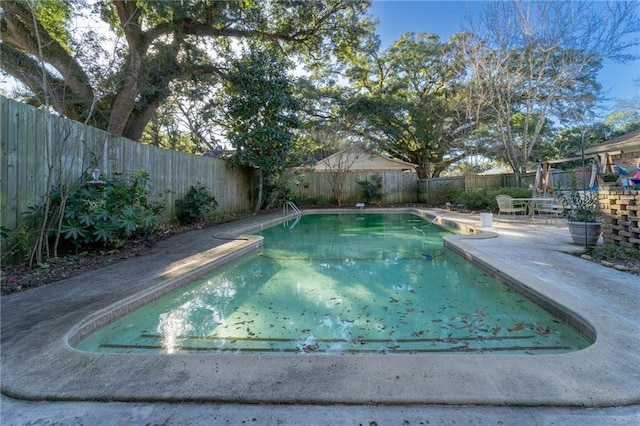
{"x":159,"y":45}
{"x":410,"y":98}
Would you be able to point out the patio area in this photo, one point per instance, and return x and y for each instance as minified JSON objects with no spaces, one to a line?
{"x":38,"y":365}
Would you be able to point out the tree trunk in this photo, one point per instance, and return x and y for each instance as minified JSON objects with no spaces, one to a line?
{"x":138,"y":120}
{"x":126,"y":98}
{"x":259,"y":196}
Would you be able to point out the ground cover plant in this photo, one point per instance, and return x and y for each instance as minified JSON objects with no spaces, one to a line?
{"x":612,"y":256}
{"x":23,"y":276}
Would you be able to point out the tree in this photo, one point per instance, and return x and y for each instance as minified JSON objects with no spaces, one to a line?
{"x":261,"y":112}
{"x":538,"y":61}
{"x":568,"y":142}
{"x":626,"y":118}
{"x":410,"y":100}
{"x":159,"y":44}
{"x":184,"y":121}
{"x":337,"y":167}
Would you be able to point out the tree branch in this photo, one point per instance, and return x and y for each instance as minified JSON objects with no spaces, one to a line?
{"x":18,"y":32}
{"x":27,"y":70}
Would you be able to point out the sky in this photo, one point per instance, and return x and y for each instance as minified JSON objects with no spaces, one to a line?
{"x":444,"y":18}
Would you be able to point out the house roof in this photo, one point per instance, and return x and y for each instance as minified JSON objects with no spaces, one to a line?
{"x":629,"y":142}
{"x":359,"y":160}
{"x":498,"y":170}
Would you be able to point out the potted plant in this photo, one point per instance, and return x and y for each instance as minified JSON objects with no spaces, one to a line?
{"x":609,"y":177}
{"x":582,"y":211}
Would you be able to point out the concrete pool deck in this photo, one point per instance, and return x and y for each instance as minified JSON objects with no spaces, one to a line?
{"x":39,"y":365}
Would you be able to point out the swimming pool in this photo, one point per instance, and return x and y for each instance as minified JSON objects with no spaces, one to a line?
{"x":39,"y":326}
{"x":343,"y":284}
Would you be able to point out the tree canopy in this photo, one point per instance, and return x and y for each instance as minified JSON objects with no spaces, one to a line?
{"x":163,"y":72}
{"x":410,"y":98}
{"x":158,"y":45}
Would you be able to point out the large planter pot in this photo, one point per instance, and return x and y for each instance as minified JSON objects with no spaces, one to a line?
{"x":585,"y":233}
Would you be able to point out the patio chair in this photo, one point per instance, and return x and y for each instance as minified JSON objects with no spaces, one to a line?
{"x":548,"y":208}
{"x":507,"y":205}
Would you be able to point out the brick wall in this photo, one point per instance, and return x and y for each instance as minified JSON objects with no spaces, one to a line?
{"x":621,"y":216}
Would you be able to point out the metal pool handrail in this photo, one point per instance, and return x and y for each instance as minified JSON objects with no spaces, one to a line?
{"x":290,"y":205}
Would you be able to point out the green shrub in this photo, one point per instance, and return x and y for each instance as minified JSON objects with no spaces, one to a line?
{"x":14,"y":244}
{"x":473,"y":200}
{"x":443,"y":194}
{"x":371,"y":188}
{"x":485,"y":199}
{"x":276,"y":190}
{"x":106,"y":213}
{"x":197,"y":205}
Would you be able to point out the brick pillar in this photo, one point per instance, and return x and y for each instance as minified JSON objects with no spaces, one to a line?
{"x":621,"y":216}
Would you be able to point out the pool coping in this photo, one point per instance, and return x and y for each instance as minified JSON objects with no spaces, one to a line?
{"x":39,"y":363}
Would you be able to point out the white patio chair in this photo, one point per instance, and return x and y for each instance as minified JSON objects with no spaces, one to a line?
{"x":507,"y":205}
{"x":548,"y":208}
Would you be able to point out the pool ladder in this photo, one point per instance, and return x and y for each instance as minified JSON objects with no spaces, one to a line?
{"x":288,"y":207}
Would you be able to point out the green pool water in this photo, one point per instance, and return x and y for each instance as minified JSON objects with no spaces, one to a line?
{"x":343,"y":284}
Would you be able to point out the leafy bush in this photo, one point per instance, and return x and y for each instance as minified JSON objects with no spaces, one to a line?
{"x":276,"y":188}
{"x":107,"y":212}
{"x":14,"y":244}
{"x":443,"y":194}
{"x":197,"y":205}
{"x":371,"y":188}
{"x":473,"y":200}
{"x":485,"y":199}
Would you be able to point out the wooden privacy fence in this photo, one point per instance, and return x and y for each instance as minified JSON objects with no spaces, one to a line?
{"x":39,"y":151}
{"x":428,"y":189}
{"x":311,"y":187}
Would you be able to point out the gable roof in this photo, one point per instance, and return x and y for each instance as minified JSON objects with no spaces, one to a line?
{"x":361,"y":161}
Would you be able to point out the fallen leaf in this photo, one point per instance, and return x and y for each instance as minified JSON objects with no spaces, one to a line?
{"x":518,"y":327}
